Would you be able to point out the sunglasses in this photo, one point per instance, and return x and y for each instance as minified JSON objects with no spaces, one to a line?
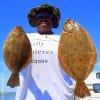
{"x":47,"y":15}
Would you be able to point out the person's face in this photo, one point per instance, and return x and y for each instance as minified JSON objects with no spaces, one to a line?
{"x":44,"y":22}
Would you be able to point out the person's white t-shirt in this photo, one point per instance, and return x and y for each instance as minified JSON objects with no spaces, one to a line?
{"x":44,"y":79}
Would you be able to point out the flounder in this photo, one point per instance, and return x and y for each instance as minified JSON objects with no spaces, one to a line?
{"x":17,"y":54}
{"x":77,"y":55}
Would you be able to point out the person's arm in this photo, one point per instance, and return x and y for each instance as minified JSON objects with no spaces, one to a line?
{"x":22,"y":89}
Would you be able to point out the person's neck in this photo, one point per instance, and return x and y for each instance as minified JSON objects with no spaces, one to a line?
{"x":46,"y":33}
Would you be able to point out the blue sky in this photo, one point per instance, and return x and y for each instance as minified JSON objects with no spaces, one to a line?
{"x":14,"y":13}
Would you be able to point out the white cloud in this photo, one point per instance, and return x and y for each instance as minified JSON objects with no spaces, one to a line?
{"x":98,"y":64}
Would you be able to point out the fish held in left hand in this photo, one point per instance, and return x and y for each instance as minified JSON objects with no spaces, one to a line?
{"x":77,"y":55}
{"x":17,"y":53}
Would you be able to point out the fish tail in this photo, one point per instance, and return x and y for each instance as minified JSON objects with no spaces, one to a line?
{"x":81,"y":90}
{"x":13,"y":80}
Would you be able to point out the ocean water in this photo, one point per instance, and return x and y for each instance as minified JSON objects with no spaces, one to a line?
{"x":7,"y":96}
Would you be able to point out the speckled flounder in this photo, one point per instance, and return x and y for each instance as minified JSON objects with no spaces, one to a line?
{"x":17,"y":54}
{"x":77,"y":55}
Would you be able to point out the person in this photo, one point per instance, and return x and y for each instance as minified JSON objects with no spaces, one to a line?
{"x":44,"y":78}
